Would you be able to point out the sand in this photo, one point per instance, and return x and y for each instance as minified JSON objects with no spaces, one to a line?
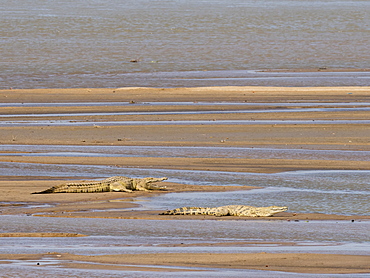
{"x":16,"y":190}
{"x":286,"y":262}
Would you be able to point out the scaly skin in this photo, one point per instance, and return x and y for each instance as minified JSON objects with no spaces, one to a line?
{"x":232,"y":210}
{"x":113,"y":184}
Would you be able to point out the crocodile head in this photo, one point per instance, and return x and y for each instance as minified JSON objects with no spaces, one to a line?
{"x":152,"y":180}
{"x":149,"y":183}
{"x":275,"y":209}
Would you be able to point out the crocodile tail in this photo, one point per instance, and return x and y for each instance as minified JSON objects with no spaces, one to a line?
{"x":184,"y":211}
{"x":168,"y":212}
{"x":47,"y":191}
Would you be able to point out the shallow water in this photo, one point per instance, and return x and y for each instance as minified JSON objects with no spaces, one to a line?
{"x":123,"y":236}
{"x":177,"y":151}
{"x":284,"y":110}
{"x":118,"y":236}
{"x":24,"y":270}
{"x":193,"y":104}
{"x":304,"y":191}
{"x":181,"y":123}
{"x":182,"y":43}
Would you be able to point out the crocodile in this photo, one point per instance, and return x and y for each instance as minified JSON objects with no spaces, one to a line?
{"x":231,"y":210}
{"x":112,"y":184}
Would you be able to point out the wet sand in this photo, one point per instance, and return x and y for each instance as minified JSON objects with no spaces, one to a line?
{"x":16,"y":197}
{"x":298,"y":263}
{"x":39,"y":235}
{"x":328,"y":136}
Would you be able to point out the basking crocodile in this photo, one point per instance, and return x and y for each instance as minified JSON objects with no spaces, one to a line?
{"x":232,"y":210}
{"x":117,"y":183}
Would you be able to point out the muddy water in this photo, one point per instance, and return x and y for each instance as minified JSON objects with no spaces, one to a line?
{"x":121,"y":236}
{"x":116,"y":236}
{"x":182,"y":43}
{"x":194,"y":104}
{"x":304,"y":191}
{"x":177,"y":151}
{"x":28,"y":270}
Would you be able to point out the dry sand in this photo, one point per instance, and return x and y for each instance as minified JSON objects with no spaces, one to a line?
{"x":15,"y":190}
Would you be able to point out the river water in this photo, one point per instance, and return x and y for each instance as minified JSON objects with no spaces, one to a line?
{"x":174,"y":43}
{"x":128,"y":236}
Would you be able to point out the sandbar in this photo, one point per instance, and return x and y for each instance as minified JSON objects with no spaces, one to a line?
{"x":296,"y":130}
